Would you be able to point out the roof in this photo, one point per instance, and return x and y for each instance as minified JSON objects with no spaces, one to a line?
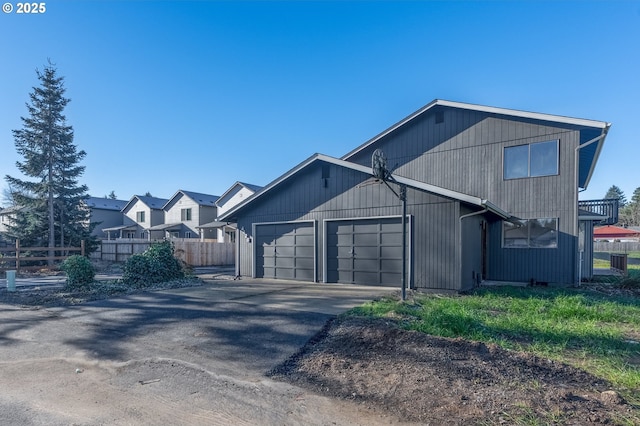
{"x":592,"y":132}
{"x":213,"y":225}
{"x":199,"y":198}
{"x":468,"y":199}
{"x":151,"y":202}
{"x":589,"y":215}
{"x":611,"y":231}
{"x":120,"y":227}
{"x":250,"y":187}
{"x":165,"y":227}
{"x":105,"y":203}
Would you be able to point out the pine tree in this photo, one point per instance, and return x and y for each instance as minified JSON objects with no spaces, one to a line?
{"x":616,"y":193}
{"x":52,"y":212}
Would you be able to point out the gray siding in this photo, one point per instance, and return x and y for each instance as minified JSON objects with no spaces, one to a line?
{"x":464,"y":153}
{"x":349,"y":194}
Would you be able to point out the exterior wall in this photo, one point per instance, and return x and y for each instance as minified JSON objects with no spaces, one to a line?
{"x":349,"y":194}
{"x":152,"y":217}
{"x":199,"y":215}
{"x":235,"y":197}
{"x":105,"y":219}
{"x":465,"y":152}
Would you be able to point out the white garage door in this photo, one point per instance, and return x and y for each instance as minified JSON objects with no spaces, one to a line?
{"x":364,"y":251}
{"x":285,"y":251}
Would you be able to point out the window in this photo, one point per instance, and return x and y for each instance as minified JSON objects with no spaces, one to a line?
{"x":187,"y":234}
{"x":185,"y":214}
{"x":536,"y":159}
{"x":530,"y":233}
{"x":140,"y":217}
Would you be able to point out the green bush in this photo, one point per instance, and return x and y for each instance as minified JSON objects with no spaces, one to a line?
{"x":157,"y":264}
{"x":79,"y":270}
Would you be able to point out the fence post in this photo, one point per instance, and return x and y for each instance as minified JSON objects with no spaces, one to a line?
{"x":17,"y":255}
{"x":82,"y":248}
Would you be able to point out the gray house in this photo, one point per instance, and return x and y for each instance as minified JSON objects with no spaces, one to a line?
{"x":141,"y":214}
{"x":185,"y":212}
{"x":105,"y":212}
{"x":491,"y":194}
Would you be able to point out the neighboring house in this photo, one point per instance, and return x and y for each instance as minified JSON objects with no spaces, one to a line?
{"x":237,"y":193}
{"x":185,"y":212}
{"x":141,"y":214}
{"x":6,"y":215}
{"x":106,"y":213}
{"x":491,"y":194}
{"x":615,"y":233}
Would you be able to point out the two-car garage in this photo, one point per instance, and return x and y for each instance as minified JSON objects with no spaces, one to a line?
{"x":357,"y":251}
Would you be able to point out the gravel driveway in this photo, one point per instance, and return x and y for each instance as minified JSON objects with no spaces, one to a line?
{"x":193,"y":355}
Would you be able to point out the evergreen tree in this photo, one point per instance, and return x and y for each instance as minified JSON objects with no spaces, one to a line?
{"x":616,"y":193}
{"x":112,"y":195}
{"x":52,"y":212}
{"x":630,"y":214}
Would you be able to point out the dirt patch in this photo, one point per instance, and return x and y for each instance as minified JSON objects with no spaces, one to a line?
{"x":439,"y":381}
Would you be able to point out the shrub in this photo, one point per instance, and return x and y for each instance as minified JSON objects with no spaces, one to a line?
{"x":79,"y":270}
{"x":157,"y":264}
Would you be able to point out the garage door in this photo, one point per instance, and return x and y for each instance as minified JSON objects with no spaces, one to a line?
{"x":285,"y":251}
{"x":365,"y":251}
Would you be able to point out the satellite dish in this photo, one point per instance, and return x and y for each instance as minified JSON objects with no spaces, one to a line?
{"x":379,"y":165}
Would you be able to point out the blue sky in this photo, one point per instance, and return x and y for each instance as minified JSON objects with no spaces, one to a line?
{"x":196,"y":95}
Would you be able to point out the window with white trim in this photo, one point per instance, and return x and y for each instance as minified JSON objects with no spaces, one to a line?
{"x":185,"y":214}
{"x":532,"y":160}
{"x":530,"y":233}
{"x":140,"y":217}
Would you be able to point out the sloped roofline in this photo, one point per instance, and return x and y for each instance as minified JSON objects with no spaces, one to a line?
{"x":250,"y":187}
{"x":469,"y":199}
{"x":580,"y":122}
{"x":193,"y":196}
{"x":142,"y":199}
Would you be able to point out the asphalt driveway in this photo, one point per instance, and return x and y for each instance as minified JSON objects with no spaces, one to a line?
{"x":139,"y":350}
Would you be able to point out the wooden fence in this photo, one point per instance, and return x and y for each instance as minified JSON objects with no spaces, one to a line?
{"x":193,"y":252}
{"x":616,"y":247}
{"x":29,"y":258}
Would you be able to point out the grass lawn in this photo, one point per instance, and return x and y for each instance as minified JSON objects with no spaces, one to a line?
{"x":589,"y":330}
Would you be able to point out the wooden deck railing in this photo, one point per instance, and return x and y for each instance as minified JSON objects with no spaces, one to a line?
{"x":23,"y":258}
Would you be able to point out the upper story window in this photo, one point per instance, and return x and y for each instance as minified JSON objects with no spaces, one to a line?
{"x":140,"y":217}
{"x":185,"y":214}
{"x":535,"y":159}
{"x":531,"y":233}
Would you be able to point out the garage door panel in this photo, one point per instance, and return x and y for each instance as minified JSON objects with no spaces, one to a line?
{"x":304,"y":240}
{"x":305,"y":263}
{"x":365,"y":239}
{"x":304,"y":252}
{"x":364,"y":227}
{"x":387,"y":278}
{"x":364,"y":251}
{"x":366,"y":264}
{"x":286,"y":251}
{"x":388,"y":239}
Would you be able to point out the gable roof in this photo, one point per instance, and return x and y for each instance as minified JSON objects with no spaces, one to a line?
{"x":151,"y":202}
{"x":105,"y":203}
{"x":465,"y":198}
{"x":610,"y":231}
{"x":199,"y":198}
{"x":250,"y":187}
{"x":592,"y":132}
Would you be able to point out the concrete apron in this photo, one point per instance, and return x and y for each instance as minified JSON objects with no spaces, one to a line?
{"x":330,"y":299}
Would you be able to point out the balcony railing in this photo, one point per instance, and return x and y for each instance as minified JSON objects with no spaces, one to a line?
{"x":607,"y":208}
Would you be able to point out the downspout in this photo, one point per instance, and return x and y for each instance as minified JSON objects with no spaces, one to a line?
{"x":486,"y":209}
{"x":576,"y":226}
